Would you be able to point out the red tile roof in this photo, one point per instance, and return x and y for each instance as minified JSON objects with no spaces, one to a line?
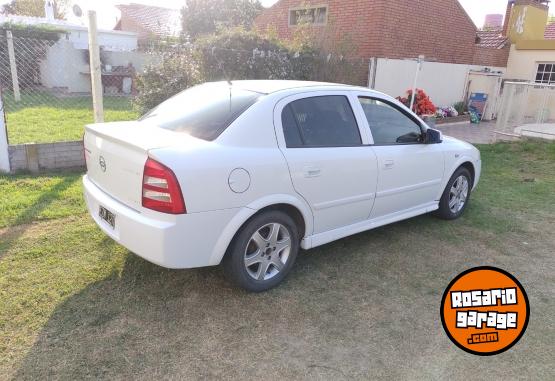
{"x":550,"y":31}
{"x":156,"y":20}
{"x":493,"y":39}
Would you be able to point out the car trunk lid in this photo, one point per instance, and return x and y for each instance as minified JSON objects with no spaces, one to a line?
{"x":116,"y":154}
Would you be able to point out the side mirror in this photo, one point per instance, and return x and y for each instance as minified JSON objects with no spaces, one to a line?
{"x":432,"y":136}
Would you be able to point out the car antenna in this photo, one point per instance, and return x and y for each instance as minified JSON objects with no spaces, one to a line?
{"x":230,"y":94}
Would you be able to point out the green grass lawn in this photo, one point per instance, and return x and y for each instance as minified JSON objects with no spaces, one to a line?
{"x":75,"y":305}
{"x":42,"y":118}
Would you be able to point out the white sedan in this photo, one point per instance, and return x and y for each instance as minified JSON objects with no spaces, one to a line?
{"x":246,"y":173}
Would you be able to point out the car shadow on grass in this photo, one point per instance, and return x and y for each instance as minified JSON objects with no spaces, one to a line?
{"x":20,"y":223}
{"x":362,"y":307}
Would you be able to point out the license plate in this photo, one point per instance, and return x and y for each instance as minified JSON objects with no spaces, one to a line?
{"x":107,"y":216}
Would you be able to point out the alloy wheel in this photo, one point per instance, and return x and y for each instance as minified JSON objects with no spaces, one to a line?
{"x":267,"y":251}
{"x":458,"y":194}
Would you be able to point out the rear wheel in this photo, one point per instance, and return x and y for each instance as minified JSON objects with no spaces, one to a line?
{"x":263,"y":252}
{"x":456,"y":195}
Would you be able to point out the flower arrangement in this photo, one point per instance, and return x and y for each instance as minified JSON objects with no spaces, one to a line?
{"x":446,"y":112}
{"x":422,"y":103}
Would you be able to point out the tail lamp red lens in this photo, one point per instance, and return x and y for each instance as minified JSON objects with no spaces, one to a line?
{"x":161,"y":190}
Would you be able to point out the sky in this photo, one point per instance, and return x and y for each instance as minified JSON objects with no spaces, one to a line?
{"x":477,"y":9}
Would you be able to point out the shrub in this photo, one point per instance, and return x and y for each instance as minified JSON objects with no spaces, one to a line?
{"x":175,"y":72}
{"x":461,"y":107}
{"x":239,"y":54}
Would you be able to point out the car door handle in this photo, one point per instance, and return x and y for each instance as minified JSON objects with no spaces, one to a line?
{"x":312,"y":172}
{"x":388,"y":164}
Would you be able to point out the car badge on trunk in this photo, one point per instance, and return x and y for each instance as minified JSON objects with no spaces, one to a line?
{"x":102,"y":163}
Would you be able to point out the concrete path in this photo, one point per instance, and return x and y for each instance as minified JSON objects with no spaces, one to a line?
{"x":473,"y":133}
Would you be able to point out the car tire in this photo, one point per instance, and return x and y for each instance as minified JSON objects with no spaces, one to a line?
{"x":456,"y":195}
{"x":262,"y":252}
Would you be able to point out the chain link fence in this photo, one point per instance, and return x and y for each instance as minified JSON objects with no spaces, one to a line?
{"x":45,"y":77}
{"x":46,"y":85}
{"x":526,"y":110}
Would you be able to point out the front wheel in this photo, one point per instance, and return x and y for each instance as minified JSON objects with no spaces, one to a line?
{"x":456,"y":195}
{"x":263,"y":252}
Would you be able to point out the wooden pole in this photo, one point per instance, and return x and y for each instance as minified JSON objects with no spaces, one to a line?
{"x":96,"y":73}
{"x":4,"y":154}
{"x":13,"y":66}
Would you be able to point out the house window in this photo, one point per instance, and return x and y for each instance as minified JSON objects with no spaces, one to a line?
{"x":546,"y":73}
{"x":308,"y":15}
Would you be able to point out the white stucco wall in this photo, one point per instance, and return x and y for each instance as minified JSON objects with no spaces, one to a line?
{"x":63,"y":68}
{"x":523,"y":64}
{"x":445,"y":83}
{"x":66,"y":64}
{"x":109,"y":40}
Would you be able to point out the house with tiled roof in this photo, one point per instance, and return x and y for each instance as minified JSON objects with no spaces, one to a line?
{"x":149,"y":22}
{"x":492,"y":39}
{"x":441,"y":30}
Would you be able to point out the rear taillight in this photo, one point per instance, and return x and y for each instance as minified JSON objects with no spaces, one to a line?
{"x":161,"y":191}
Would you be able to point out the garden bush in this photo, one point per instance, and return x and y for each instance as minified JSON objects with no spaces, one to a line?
{"x":175,"y":72}
{"x":237,"y":54}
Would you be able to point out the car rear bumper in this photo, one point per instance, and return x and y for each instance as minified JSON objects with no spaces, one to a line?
{"x":183,"y":241}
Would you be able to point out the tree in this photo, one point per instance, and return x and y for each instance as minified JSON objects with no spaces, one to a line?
{"x":200,"y":17}
{"x":34,"y":8}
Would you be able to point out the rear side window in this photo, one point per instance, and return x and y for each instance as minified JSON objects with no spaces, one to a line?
{"x":203,"y":111}
{"x":326,"y":121}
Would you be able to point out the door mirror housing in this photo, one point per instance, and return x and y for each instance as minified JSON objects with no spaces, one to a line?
{"x":432,"y":136}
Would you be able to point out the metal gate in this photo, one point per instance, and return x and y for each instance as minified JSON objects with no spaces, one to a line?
{"x":526,"y":110}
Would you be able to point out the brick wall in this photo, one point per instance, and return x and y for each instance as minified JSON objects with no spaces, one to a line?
{"x":439,"y":29}
{"x":46,"y":156}
{"x":491,"y":57}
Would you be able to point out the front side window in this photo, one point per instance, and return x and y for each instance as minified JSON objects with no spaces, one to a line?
{"x":326,"y":121}
{"x":309,"y":15}
{"x":203,"y":111}
{"x":546,"y":73}
{"x":390,"y":125}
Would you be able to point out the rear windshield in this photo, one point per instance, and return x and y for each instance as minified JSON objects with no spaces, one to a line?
{"x":203,"y":111}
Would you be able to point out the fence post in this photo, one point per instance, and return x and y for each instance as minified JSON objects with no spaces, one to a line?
{"x":96,"y":73}
{"x":4,"y":154}
{"x":13,"y":66}
{"x":504,"y":112}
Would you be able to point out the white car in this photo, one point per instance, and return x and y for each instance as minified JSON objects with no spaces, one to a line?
{"x":246,"y":173}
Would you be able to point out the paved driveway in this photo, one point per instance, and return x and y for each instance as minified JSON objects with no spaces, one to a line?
{"x":473,"y":133}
